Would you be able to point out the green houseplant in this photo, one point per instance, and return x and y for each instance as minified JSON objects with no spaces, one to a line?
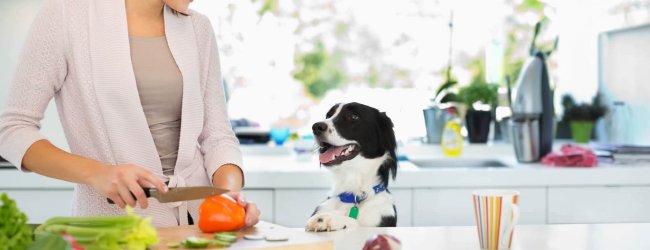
{"x":581,"y":117}
{"x":477,"y":120}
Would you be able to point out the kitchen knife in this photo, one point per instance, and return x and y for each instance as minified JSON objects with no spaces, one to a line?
{"x":180,"y":193}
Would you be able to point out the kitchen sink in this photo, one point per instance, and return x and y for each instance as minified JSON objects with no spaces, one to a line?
{"x":459,"y":163}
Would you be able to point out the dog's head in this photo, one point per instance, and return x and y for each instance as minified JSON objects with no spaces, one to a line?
{"x":354,"y":132}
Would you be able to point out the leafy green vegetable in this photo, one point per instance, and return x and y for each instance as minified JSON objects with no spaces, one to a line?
{"x":107,"y":232}
{"x":14,"y":231}
{"x":51,"y":241}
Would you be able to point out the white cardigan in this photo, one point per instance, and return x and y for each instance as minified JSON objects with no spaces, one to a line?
{"x":78,"y":52}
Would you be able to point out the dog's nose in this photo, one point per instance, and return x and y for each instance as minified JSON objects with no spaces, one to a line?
{"x":318,"y":128}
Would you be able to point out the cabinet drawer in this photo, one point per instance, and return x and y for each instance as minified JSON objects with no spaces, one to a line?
{"x":598,"y":204}
{"x":403,"y":199}
{"x":454,"y":207}
{"x":263,"y":198}
{"x":293,"y":207}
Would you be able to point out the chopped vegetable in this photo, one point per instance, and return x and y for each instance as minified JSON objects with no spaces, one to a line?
{"x":195,"y":242}
{"x":14,"y":231}
{"x":174,"y":245}
{"x":221,"y":213}
{"x":221,"y":239}
{"x":221,"y":243}
{"x":226,"y":236}
{"x":109,"y":232}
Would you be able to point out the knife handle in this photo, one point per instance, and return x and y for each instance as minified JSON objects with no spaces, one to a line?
{"x":147,"y":193}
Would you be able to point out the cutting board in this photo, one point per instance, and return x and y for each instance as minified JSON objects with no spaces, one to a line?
{"x":298,"y":239}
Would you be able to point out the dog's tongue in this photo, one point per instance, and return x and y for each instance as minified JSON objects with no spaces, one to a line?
{"x":331,"y":152}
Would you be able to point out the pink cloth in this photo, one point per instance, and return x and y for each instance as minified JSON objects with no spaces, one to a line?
{"x":78,"y":52}
{"x":571,"y":156}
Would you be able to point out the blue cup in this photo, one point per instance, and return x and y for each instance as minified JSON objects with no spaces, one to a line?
{"x":279,"y":135}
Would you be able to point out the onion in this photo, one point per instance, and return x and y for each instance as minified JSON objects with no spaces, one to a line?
{"x":382,"y":242}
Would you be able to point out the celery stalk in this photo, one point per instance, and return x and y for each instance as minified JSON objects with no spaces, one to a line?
{"x":109,"y":232}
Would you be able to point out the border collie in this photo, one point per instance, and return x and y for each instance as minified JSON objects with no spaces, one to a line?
{"x":357,"y":144}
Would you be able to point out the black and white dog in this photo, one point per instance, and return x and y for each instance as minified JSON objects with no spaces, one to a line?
{"x":357,"y":144}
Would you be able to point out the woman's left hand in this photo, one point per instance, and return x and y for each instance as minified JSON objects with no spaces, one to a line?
{"x":252,"y":212}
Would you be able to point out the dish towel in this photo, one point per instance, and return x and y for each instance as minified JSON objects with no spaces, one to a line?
{"x":571,"y":156}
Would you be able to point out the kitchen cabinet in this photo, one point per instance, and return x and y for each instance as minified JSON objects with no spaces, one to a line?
{"x":40,"y":205}
{"x":263,"y":198}
{"x":403,"y":199}
{"x":454,"y":207}
{"x":293,"y":207}
{"x":604,"y":204}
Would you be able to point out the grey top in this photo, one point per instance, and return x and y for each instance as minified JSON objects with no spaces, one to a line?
{"x":160,"y":86}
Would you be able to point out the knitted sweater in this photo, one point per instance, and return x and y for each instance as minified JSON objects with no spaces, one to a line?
{"x":78,"y":52}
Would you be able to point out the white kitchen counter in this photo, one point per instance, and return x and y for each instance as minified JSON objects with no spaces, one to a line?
{"x":557,"y":237}
{"x":278,"y":168}
{"x":287,"y":189}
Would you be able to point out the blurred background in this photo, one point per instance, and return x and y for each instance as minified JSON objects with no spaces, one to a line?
{"x":284,"y":63}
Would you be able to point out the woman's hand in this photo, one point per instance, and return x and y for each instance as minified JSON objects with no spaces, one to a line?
{"x":119,"y":182}
{"x":252,"y":212}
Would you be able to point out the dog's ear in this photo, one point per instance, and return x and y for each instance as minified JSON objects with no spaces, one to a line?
{"x":388,"y":135}
{"x":388,"y":143}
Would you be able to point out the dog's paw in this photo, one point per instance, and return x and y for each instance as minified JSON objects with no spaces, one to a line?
{"x":328,"y":222}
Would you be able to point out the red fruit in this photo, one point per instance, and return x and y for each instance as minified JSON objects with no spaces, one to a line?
{"x":221,"y":213}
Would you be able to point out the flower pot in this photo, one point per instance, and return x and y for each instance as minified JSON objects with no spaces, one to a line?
{"x":478,"y":125}
{"x":434,"y":120}
{"x":581,"y":131}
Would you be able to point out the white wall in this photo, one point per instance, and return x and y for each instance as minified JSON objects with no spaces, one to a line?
{"x":15,"y":20}
{"x":579,"y":24}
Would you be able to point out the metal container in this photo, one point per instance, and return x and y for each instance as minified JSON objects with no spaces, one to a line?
{"x":435,"y":120}
{"x":525,"y":138}
{"x":533,"y":111}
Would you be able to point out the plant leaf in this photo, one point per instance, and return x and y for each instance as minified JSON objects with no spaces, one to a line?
{"x":444,"y":86}
{"x":50,"y":241}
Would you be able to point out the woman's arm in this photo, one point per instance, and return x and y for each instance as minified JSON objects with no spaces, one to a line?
{"x":231,"y":177}
{"x":40,"y":73}
{"x":228,"y":176}
{"x":218,"y":143}
{"x":115,"y":182}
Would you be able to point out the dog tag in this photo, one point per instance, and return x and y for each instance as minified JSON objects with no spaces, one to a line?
{"x":354,"y":212}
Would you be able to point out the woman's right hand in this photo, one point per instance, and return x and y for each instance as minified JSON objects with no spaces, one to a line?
{"x":120,"y":181}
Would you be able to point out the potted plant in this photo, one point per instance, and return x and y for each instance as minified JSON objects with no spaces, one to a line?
{"x":581,"y":117}
{"x":480,"y":98}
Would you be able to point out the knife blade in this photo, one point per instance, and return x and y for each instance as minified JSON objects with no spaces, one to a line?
{"x":180,"y":193}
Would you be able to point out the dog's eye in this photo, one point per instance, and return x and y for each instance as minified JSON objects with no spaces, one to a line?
{"x":353,"y":117}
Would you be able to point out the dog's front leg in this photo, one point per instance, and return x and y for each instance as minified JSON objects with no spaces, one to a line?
{"x":325,"y":222}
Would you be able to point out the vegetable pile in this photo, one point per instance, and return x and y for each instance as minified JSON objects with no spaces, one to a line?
{"x":221,"y":213}
{"x":108,"y":232}
{"x":14,"y":231}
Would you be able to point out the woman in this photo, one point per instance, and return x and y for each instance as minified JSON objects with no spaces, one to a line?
{"x":138,"y":89}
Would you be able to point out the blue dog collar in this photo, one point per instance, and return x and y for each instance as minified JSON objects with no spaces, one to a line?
{"x":348,"y":197}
